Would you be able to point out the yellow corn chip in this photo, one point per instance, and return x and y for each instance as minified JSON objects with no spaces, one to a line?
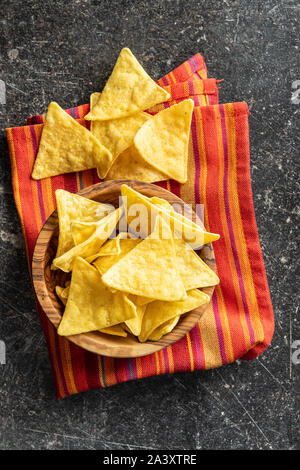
{"x":116,"y":134}
{"x":164,"y":329}
{"x":104,"y":263}
{"x":110,"y":248}
{"x":163,"y":141}
{"x":161,"y":202}
{"x":149,"y":269}
{"x":131,"y":166}
{"x":91,"y":305}
{"x":135,"y":324}
{"x":115,"y":330}
{"x":158,"y":312}
{"x":141,"y":300}
{"x":92,"y":245}
{"x":128,"y":90}
{"x":72,"y":207}
{"x":60,"y":293}
{"x":66,"y":146}
{"x":81,"y":231}
{"x":192,"y":269}
{"x":181,"y":227}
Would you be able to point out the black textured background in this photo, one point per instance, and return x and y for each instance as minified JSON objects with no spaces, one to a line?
{"x":63,"y":51}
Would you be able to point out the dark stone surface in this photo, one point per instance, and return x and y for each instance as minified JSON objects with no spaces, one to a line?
{"x":55,"y":50}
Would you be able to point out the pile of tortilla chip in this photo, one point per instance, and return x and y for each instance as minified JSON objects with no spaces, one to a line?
{"x":124,"y":142}
{"x":133,"y":268}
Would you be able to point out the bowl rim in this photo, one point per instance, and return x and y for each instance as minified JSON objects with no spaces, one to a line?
{"x":113,"y":346}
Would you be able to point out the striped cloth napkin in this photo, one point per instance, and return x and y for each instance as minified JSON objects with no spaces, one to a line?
{"x":239,"y":321}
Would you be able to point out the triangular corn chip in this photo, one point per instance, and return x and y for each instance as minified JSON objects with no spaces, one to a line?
{"x":81,"y":231}
{"x":131,"y":166}
{"x":92,"y":245}
{"x":164,"y":329}
{"x":128,"y":90}
{"x":71,"y":207}
{"x":163,"y":141}
{"x":158,"y":312}
{"x":115,"y":134}
{"x":134,"y":325}
{"x":150,"y":268}
{"x":110,"y":248}
{"x":91,"y":305}
{"x":104,"y":263}
{"x":181,"y":226}
{"x":62,"y":295}
{"x":192,"y":269}
{"x":115,"y":330}
{"x":66,"y":146}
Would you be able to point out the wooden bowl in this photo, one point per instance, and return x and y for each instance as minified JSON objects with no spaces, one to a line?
{"x":45,"y":280}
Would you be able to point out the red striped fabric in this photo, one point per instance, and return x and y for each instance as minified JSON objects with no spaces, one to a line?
{"x":239,"y":321}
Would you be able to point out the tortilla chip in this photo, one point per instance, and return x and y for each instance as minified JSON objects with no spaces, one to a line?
{"x":181,"y":227}
{"x":81,"y":231}
{"x":91,"y":305}
{"x":192,"y":269}
{"x":116,"y":134}
{"x":92,"y":245}
{"x":131,"y":166}
{"x":164,"y":329}
{"x":103,"y":264}
{"x":149,"y":269}
{"x":72,"y":207}
{"x":60,"y":294}
{"x":128,"y":90}
{"x":140,"y":301}
{"x":158,"y":312}
{"x":161,"y":202}
{"x":110,"y":248}
{"x":135,"y":324}
{"x":115,"y":330}
{"x":163,"y":141}
{"x":66,"y":146}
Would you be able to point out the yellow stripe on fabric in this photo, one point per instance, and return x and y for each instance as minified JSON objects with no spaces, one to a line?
{"x":172,"y":78}
{"x":188,"y":338}
{"x":238,"y":228}
{"x":209,"y":334}
{"x":157,"y":364}
{"x":209,"y":337}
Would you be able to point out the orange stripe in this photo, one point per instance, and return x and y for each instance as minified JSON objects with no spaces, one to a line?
{"x":171,"y":359}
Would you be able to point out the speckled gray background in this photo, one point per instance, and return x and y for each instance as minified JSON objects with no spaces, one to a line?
{"x":64,"y":50}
